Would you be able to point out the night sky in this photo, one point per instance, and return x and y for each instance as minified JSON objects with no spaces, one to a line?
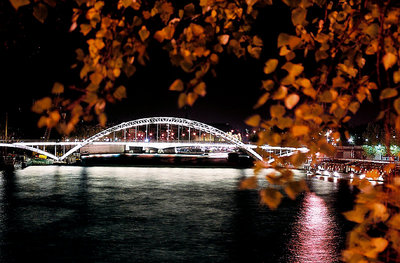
{"x":33,"y":56}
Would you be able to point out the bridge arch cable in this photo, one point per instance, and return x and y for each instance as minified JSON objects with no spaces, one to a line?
{"x":166,"y":120}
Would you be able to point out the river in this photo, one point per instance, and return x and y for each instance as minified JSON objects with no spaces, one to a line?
{"x":131,"y":214}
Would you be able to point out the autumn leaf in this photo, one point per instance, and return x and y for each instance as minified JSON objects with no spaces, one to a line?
{"x":389,"y":60}
{"x":298,"y":159}
{"x":379,"y":212}
{"x":42,"y":122}
{"x":280,"y":93}
{"x":283,"y":39}
{"x":53,"y":119}
{"x":159,"y":36}
{"x":300,"y":130}
{"x":270,"y":66}
{"x":377,"y":245}
{"x":120,"y":93}
{"x":262,"y":100}
{"x":42,"y":105}
{"x":182,"y":100}
{"x":18,"y":3}
{"x":144,"y":33}
{"x":354,"y":106}
{"x":177,"y":85}
{"x":277,"y":111}
{"x":284,"y":122}
{"x":196,"y":29}
{"x":102,"y":119}
{"x":396,"y":76}
{"x":129,"y":69}
{"x":96,"y":78}
{"x":388,"y":93}
{"x":357,"y":214}
{"x":253,"y":121}
{"x":270,"y":197}
{"x":200,"y":89}
{"x":394,"y":221}
{"x":293,"y":69}
{"x":58,"y":88}
{"x":268,"y":84}
{"x":249,"y":183}
{"x":291,"y":100}
{"x":85,"y":29}
{"x":326,"y":148}
{"x":396,"y":105}
{"x":223,"y":39}
{"x":292,"y":189}
{"x":191,"y":98}
{"x":299,"y":16}
{"x":40,"y":12}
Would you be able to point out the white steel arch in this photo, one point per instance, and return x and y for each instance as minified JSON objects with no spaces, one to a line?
{"x":166,"y":120}
{"x":29,"y":148}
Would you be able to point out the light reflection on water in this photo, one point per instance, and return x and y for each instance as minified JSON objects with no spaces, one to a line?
{"x":315,"y":233}
{"x":130,"y":214}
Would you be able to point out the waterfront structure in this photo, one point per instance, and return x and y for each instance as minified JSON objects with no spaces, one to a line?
{"x":184,"y":132}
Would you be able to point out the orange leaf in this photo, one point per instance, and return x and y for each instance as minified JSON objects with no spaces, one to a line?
{"x":300,"y":130}
{"x":270,"y":197}
{"x":120,"y":93}
{"x":396,"y":76}
{"x":182,"y":100}
{"x":253,"y":121}
{"x":144,"y":33}
{"x":18,"y":3}
{"x":41,"y":105}
{"x":159,"y":36}
{"x":223,"y":39}
{"x":277,"y":111}
{"x":85,"y":29}
{"x":280,"y":93}
{"x":96,"y":78}
{"x":58,"y":88}
{"x":177,"y":85}
{"x":200,"y":89}
{"x":389,"y":60}
{"x":394,"y":221}
{"x":291,"y":100}
{"x":357,"y":214}
{"x":40,"y":12}
{"x":262,"y":100}
{"x":270,"y":66}
{"x":299,"y":16}
{"x":249,"y":183}
{"x":292,"y":189}
{"x":388,"y":93}
{"x":396,"y":105}
{"x":102,"y":119}
{"x":191,"y":98}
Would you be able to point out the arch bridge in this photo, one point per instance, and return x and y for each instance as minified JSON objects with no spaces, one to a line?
{"x":179,"y":132}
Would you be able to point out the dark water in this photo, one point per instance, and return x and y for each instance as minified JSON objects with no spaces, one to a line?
{"x":126,"y":214}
